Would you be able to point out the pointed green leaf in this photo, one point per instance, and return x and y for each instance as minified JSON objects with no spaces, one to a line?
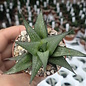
{"x":63,"y":51}
{"x":40,"y":27}
{"x":33,"y":35}
{"x":53,"y":41}
{"x":43,"y":57}
{"x":16,"y":58}
{"x":23,"y":64}
{"x":31,"y":47}
{"x":43,"y":47}
{"x":61,"y":62}
{"x":36,"y":64}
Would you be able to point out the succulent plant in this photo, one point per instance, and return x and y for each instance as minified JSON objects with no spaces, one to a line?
{"x":42,"y":49}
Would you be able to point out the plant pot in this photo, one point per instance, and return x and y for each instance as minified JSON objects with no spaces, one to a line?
{"x":82,"y":30}
{"x":69,"y":37}
{"x":56,"y":18}
{"x":52,"y":8}
{"x":76,"y":29}
{"x":53,"y":12}
{"x":82,"y":42}
{"x":19,"y":51}
{"x":46,"y":12}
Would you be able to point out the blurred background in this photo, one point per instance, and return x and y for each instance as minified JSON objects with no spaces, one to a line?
{"x":55,"y":12}
{"x":61,"y":15}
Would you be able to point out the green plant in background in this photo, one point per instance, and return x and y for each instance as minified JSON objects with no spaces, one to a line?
{"x":84,"y":26}
{"x":42,"y":49}
{"x":75,"y":24}
{"x":57,"y":29}
{"x":71,"y":32}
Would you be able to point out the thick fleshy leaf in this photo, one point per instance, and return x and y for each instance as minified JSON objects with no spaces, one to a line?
{"x":31,"y":47}
{"x":16,"y":58}
{"x":43,"y":57}
{"x":53,"y":41}
{"x":36,"y":64}
{"x":43,"y":47}
{"x":40,"y":27}
{"x":23,"y":64}
{"x":33,"y":35}
{"x":61,"y":62}
{"x":63,"y":51}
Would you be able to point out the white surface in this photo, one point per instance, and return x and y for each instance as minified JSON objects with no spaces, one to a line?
{"x":55,"y":76}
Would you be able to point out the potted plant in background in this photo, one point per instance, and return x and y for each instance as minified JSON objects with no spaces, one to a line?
{"x":75,"y":26}
{"x":83,"y":41}
{"x":63,"y":27}
{"x":42,"y":50}
{"x":70,"y":36}
{"x":83,"y":27}
{"x":59,"y":31}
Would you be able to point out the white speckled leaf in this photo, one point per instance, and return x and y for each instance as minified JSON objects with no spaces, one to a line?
{"x":63,"y":51}
{"x":23,"y":64}
{"x":36,"y":64}
{"x":53,"y":41}
{"x":31,"y":47}
{"x":61,"y":62}
{"x":40,"y":27}
{"x":33,"y":35}
{"x":43,"y":57}
{"x":16,"y":58}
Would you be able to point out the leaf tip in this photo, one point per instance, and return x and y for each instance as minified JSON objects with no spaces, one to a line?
{"x":30,"y":81}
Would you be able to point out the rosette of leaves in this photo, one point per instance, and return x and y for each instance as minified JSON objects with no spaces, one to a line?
{"x":42,"y":49}
{"x":75,"y":24}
